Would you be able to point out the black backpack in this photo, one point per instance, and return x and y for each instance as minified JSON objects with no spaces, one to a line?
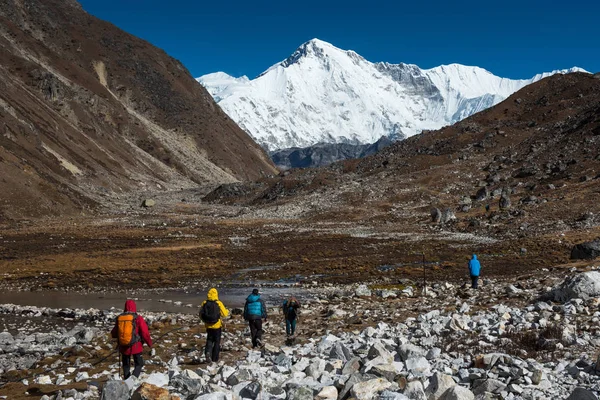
{"x":210,"y":312}
{"x":289,"y":309}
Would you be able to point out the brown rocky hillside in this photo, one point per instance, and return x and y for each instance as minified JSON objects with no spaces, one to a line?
{"x":523,"y":176}
{"x":88,"y":112}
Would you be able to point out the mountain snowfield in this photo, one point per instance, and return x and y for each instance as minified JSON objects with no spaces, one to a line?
{"x":322,"y":94}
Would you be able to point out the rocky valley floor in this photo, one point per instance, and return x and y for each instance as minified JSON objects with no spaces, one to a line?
{"x":530,"y":337}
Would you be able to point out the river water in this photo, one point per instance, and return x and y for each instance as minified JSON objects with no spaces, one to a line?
{"x":155,"y":301}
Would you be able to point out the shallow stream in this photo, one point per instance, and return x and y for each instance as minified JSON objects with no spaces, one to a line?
{"x":178,"y":301}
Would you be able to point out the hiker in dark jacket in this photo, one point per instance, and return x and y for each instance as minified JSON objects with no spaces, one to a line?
{"x":213,"y":329}
{"x":474,"y":270}
{"x":135,"y":350}
{"x":254,"y":312}
{"x":290,"y":311}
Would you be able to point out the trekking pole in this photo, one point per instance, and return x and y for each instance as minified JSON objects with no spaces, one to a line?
{"x":424,"y":277}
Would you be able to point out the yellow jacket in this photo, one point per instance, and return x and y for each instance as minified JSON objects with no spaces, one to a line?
{"x":213,"y":295}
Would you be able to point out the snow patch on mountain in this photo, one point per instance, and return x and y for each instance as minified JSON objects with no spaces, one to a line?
{"x":322,"y":94}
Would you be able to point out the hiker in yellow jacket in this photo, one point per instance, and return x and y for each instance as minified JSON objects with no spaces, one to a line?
{"x":211,"y":312}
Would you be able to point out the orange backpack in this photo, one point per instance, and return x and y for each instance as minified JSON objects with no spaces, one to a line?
{"x":127,"y":329}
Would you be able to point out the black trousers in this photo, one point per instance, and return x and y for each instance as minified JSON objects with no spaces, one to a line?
{"x":256,"y":331}
{"x":213,"y":344}
{"x":138,"y":362}
{"x":474,"y":281}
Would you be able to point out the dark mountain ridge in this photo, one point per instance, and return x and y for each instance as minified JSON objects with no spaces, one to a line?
{"x":323,"y":154}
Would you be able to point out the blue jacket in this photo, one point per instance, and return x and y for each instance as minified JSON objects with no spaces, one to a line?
{"x":474,"y":266}
{"x":254,"y":308}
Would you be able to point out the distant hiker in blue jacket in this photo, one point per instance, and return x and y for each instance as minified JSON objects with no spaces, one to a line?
{"x":474,"y":269}
{"x":254,"y":312}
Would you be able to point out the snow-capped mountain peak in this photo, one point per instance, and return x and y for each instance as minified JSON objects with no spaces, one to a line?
{"x":322,"y":94}
{"x":314,"y":47}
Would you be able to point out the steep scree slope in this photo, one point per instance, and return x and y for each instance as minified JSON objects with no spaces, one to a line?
{"x":88,"y":111}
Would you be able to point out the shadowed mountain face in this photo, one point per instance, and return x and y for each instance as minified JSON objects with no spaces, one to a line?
{"x":88,"y":111}
{"x":323,"y":154}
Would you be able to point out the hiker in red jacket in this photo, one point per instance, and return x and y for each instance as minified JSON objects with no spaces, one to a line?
{"x":131,"y":332}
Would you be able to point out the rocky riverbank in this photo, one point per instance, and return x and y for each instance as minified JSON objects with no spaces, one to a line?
{"x":531,"y":338}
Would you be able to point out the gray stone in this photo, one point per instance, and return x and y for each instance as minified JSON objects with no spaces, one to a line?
{"x":340,"y":352}
{"x":436,"y":215}
{"x":190,"y":374}
{"x":583,"y":286}
{"x":82,"y":376}
{"x":504,"y":201}
{"x":212,"y":396}
{"x":414,"y":391}
{"x":458,"y":393}
{"x":434,"y":353}
{"x":283,"y":361}
{"x":251,"y":390}
{"x":238,"y":388}
{"x":158,"y":379}
{"x":327,"y":393}
{"x":512,"y":289}
{"x":387,"y":395}
{"x":448,"y":216}
{"x":115,"y":390}
{"x":353,"y":365}
{"x":582,"y":394}
{"x":438,"y":384}
{"x":515,"y":388}
{"x":333,"y":366}
{"x":300,"y":393}
{"x":418,"y":365}
{"x":363,"y":290}
{"x":387,"y":293}
{"x":387,"y":371}
{"x":301,"y":364}
{"x":186,"y":385}
{"x":6,"y":338}
{"x":85,"y":335}
{"x":148,"y":203}
{"x":586,"y":251}
{"x":316,"y":368}
{"x":409,"y":350}
{"x":482,"y":194}
{"x":351,"y":382}
{"x":379,"y":350}
{"x":239,"y":376}
{"x":491,"y":359}
{"x":368,"y":390}
{"x":488,"y":385}
{"x":276,"y":393}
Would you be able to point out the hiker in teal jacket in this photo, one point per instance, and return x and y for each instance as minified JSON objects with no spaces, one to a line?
{"x":254,"y":312}
{"x":474,"y":269}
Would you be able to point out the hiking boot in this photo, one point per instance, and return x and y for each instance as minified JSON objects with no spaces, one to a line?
{"x":259,"y":343}
{"x":208,"y":358}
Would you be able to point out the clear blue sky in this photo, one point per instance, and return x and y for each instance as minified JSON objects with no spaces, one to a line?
{"x":515,"y":39}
